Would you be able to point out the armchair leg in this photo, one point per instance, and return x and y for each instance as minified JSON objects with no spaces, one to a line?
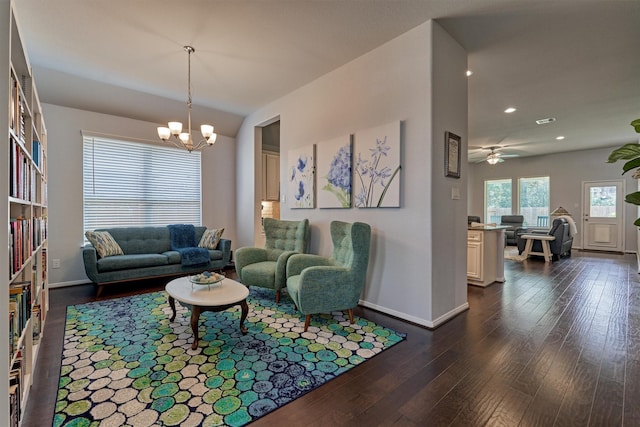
{"x":277,"y":297}
{"x":307,"y":320}
{"x":351,"y":316}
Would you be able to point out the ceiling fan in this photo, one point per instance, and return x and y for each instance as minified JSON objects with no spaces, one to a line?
{"x":496,"y":156}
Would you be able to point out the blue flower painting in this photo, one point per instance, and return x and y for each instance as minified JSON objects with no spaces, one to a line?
{"x":377,"y":167}
{"x":301,"y":173}
{"x":334,"y":173}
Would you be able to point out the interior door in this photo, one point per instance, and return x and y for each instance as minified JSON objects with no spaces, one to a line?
{"x":603,"y":216}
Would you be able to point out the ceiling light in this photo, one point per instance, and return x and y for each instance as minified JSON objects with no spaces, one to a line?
{"x":183,"y":139}
{"x":469,"y":73}
{"x":560,"y":138}
{"x":493,"y":158}
{"x":510,"y":110}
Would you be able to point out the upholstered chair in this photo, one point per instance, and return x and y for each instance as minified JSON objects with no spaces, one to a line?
{"x":266,"y":267}
{"x":320,"y":285}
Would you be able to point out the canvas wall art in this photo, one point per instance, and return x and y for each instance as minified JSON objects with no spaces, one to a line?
{"x":301,"y":167}
{"x":334,"y":173}
{"x":377,"y":167}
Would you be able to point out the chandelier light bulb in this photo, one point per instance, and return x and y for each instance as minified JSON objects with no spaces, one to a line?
{"x":184,"y":139}
{"x":206,"y":130}
{"x":164,"y":133}
{"x":175,"y":127}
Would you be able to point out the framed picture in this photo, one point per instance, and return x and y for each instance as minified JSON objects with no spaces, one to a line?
{"x":452,"y":155}
{"x":334,"y":178}
{"x":301,"y":164}
{"x":376,"y":167}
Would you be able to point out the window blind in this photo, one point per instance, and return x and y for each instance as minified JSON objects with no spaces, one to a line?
{"x":130,"y":183}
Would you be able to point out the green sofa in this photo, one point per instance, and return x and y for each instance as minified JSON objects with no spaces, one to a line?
{"x":147,"y":254}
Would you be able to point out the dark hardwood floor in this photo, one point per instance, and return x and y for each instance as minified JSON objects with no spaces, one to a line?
{"x":557,"y":344}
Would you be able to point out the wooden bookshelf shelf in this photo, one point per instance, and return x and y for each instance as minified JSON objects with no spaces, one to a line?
{"x":23,"y":255}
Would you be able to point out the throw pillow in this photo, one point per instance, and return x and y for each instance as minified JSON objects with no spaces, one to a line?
{"x":210,"y":238}
{"x":104,"y":243}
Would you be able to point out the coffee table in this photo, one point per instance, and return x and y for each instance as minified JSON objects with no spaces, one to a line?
{"x":201,"y":298}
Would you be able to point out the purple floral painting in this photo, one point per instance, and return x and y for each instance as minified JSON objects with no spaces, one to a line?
{"x":301,"y":164}
{"x":334,"y":173}
{"x":377,"y":167}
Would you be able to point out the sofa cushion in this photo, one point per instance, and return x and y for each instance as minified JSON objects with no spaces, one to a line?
{"x":260,"y":274}
{"x":141,"y":240}
{"x":210,"y":238}
{"x":124,"y":262}
{"x":104,"y":243}
{"x":173,"y":257}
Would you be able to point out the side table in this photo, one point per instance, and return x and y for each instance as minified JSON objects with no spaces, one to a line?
{"x":544,"y":241}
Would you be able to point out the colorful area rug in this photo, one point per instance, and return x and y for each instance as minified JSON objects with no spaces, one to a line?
{"x":124,"y":363}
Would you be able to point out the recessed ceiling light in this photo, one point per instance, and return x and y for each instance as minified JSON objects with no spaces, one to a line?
{"x":560,"y":138}
{"x":545,"y":121}
{"x":469,"y":72}
{"x":509,"y":110}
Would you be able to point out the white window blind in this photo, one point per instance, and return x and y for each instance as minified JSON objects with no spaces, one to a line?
{"x":136,"y":184}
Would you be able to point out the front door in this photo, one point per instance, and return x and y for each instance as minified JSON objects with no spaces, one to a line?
{"x":603,"y":216}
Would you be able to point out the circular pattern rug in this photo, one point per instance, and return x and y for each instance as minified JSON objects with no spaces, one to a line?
{"x":124,"y":363}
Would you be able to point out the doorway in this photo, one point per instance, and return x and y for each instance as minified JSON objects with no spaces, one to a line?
{"x":268,"y":175}
{"x":603,"y":216}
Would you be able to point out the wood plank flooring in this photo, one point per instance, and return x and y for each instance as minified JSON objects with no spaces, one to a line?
{"x":556,"y":345}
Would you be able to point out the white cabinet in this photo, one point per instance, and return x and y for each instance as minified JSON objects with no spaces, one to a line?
{"x":270,"y":176}
{"x":23,"y":252}
{"x":485,"y":256}
{"x":474,"y":255}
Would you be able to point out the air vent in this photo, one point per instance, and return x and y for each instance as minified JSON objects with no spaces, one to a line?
{"x":545,"y":121}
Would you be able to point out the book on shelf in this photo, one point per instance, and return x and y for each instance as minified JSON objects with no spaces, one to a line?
{"x":16,"y":376}
{"x":20,"y":302}
{"x":22,"y":175}
{"x":36,"y":319}
{"x":20,"y":243}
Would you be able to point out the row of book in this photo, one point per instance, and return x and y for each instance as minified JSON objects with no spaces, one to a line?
{"x":17,"y":121}
{"x":37,"y":154}
{"x":16,"y":375}
{"x":19,"y":311}
{"x":24,"y":236}
{"x":22,"y":175}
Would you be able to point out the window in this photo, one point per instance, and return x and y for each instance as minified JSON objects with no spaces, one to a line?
{"x":533,"y":197}
{"x":135,"y":184}
{"x":497,"y":199}
{"x":602,"y":202}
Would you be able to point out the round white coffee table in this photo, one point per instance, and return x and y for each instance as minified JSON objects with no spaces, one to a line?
{"x":201,"y":298}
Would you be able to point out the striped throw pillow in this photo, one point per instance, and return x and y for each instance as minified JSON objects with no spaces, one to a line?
{"x":210,"y":238}
{"x":104,"y":243}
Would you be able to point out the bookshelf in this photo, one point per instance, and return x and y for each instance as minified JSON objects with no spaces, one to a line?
{"x":23,"y":187}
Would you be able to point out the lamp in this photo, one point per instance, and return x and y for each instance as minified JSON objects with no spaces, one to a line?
{"x":183,"y":139}
{"x":493,"y":158}
{"x":559,"y":211}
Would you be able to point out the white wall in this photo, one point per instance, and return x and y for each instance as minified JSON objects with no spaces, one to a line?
{"x":392,"y":82}
{"x":65,"y":232}
{"x":448,"y":215}
{"x":566,"y":171}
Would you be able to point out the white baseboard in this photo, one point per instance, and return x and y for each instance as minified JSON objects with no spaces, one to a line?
{"x":432,"y":324}
{"x":70,"y":283}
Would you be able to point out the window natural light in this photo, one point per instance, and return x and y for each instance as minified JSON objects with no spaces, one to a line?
{"x":533,"y":200}
{"x":139,"y":184}
{"x":497,"y":199}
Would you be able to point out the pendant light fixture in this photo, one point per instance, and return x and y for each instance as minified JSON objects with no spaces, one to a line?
{"x":173,"y":133}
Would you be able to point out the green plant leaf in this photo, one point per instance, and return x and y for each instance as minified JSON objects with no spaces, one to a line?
{"x":626,"y":152}
{"x":637,"y":222}
{"x":636,"y":125}
{"x":631,"y":164}
{"x":633,"y":198}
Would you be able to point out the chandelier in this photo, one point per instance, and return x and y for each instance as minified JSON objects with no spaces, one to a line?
{"x":184,"y":139}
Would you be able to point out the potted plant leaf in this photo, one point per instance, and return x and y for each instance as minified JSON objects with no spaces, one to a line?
{"x":630,"y":153}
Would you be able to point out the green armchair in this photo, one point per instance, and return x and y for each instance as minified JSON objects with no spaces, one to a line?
{"x":266,"y":267}
{"x":320,"y":285}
